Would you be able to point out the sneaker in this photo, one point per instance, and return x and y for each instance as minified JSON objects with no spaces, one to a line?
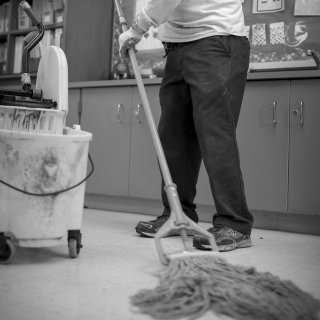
{"x":227,"y":239}
{"x":150,"y":228}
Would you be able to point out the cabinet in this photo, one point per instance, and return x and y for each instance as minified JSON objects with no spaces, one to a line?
{"x":278,"y":136}
{"x":122,"y":148}
{"x":304,"y":151}
{"x":106,"y":113}
{"x":262,"y":135}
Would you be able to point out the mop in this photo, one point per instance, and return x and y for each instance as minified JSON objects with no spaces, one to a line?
{"x":195,"y":281}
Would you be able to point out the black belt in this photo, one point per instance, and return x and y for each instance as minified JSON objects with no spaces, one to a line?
{"x":172,"y":45}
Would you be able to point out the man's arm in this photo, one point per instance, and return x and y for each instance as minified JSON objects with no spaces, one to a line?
{"x":159,"y":10}
{"x":155,"y":12}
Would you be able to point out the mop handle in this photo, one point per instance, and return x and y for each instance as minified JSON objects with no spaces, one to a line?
{"x":170,"y":187}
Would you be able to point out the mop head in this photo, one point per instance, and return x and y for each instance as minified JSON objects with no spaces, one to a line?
{"x":191,"y":286}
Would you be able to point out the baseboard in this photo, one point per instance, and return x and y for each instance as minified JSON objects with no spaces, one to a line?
{"x":269,"y":220}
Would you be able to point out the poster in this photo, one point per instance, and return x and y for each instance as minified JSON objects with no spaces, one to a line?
{"x":264,"y":6}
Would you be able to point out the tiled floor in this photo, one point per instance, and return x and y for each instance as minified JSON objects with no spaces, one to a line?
{"x":114,"y":264}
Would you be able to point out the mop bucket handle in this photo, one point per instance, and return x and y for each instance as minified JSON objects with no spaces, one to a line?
{"x":37,"y":22}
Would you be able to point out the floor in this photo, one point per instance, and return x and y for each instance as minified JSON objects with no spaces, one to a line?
{"x":114,"y":264}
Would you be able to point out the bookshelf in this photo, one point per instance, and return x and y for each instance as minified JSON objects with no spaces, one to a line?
{"x":83,"y":29}
{"x":15,"y":26}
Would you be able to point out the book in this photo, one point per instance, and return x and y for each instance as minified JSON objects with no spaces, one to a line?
{"x":58,"y":7}
{"x":58,"y":33}
{"x":18,"y":51}
{"x":6,"y":8}
{"x":47,"y":12}
{"x":3,"y":57}
{"x":2,"y":15}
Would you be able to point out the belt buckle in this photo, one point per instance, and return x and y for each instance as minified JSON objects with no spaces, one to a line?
{"x":168,"y":45}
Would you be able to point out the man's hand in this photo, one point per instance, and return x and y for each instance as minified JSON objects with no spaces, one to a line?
{"x":127,"y":40}
{"x":131,"y":37}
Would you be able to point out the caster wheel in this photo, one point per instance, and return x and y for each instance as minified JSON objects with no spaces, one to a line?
{"x":7,"y":251}
{"x":73,"y":248}
{"x":74,"y":243}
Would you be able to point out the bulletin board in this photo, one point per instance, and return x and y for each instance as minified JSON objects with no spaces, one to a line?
{"x":284,"y":35}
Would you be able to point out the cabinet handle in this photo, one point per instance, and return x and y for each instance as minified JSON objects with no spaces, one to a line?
{"x":119,"y":113}
{"x":274,"y":112}
{"x":138,"y":112}
{"x":299,"y":110}
{"x":80,"y":107}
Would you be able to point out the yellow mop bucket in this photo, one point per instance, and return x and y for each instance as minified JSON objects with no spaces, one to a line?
{"x":42,"y":189}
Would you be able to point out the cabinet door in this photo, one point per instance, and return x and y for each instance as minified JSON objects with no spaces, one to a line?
{"x":73,"y":108}
{"x":145,"y":178}
{"x":262,"y":135}
{"x":107,"y":115}
{"x":304,"y":158}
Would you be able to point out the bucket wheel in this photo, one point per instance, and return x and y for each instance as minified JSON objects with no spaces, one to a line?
{"x":74,"y":243}
{"x":7,"y":249}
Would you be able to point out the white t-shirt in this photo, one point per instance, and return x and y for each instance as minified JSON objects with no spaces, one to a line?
{"x":189,"y":20}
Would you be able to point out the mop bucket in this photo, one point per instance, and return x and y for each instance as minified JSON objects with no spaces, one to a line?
{"x":41,"y":198}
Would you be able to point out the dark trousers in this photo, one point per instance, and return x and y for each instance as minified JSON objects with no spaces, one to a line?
{"x":200,"y":96}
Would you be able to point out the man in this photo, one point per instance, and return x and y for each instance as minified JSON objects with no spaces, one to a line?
{"x":200,"y":96}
